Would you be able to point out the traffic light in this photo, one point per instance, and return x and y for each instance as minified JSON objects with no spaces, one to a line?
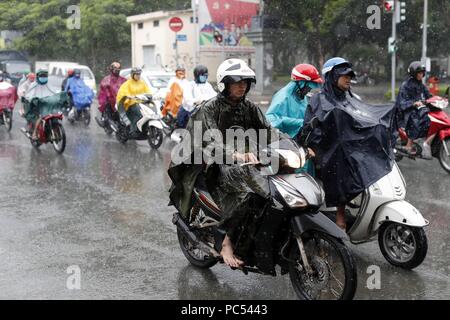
{"x":392,"y":45}
{"x":388,"y":6}
{"x":401,"y":12}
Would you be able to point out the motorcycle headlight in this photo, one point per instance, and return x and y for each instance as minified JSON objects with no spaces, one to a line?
{"x":294,"y":160}
{"x":291,"y":196}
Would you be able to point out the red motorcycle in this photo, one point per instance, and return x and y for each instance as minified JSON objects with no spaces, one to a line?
{"x":49,"y":126}
{"x":8,"y":98}
{"x":440,"y":126}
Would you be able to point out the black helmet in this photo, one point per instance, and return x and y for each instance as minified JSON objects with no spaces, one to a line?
{"x":42,"y":73}
{"x":415,"y":67}
{"x":199,"y":71}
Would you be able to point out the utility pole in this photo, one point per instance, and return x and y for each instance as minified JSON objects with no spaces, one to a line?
{"x":197,"y":37}
{"x":393,"y":57}
{"x":424,"y":37}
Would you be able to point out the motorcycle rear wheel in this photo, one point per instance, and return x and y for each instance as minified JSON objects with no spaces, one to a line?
{"x":60,"y":144}
{"x":323,"y":283}
{"x":444,"y":160}
{"x":195,"y":256}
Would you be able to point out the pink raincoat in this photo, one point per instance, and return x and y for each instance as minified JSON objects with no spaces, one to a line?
{"x":108,"y":91}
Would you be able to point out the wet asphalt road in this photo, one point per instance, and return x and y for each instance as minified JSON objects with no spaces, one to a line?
{"x":102,"y":206}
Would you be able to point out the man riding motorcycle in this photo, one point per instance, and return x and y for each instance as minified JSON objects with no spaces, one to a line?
{"x":39,"y":89}
{"x":288,"y":106}
{"x":409,"y":107}
{"x":201,"y":90}
{"x":70,"y":73}
{"x":109,"y":87}
{"x":232,"y":187}
{"x":132,"y":87}
{"x":352,"y":144}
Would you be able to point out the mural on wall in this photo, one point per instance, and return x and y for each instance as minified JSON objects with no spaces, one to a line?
{"x":224,"y":22}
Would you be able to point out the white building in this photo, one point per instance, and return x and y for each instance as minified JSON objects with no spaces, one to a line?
{"x":153,"y":43}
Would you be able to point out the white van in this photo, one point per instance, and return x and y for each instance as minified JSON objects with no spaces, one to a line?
{"x":57,"y":72}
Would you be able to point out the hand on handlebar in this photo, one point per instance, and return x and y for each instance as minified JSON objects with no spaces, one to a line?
{"x":246,"y":158}
{"x":311,"y":153}
{"x":418,"y":104}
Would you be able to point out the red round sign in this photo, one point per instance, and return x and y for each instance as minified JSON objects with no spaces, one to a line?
{"x":175,"y":24}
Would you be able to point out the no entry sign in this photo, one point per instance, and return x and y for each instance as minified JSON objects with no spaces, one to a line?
{"x":175,"y":24}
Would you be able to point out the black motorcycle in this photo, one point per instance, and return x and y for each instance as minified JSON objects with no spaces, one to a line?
{"x":291,"y":230}
{"x":109,"y":121}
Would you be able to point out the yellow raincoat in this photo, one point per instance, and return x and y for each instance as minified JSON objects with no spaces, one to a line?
{"x":131,"y":88}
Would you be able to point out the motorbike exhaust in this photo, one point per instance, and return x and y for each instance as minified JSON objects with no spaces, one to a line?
{"x":184,"y":228}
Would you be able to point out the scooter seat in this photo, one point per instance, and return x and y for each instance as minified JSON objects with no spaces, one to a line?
{"x":206,"y":199}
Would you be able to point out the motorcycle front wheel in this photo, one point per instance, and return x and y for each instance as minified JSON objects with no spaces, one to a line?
{"x":86,"y":117}
{"x":444,"y":159}
{"x":155,"y":137}
{"x":333,"y":275}
{"x":59,"y":138}
{"x":402,"y":246}
{"x":7,"y":119}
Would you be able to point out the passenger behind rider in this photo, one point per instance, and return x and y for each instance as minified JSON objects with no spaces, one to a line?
{"x":288,"y":106}
{"x":200,"y":90}
{"x":410,"y":97}
{"x":132,"y":87}
{"x":338,"y":74}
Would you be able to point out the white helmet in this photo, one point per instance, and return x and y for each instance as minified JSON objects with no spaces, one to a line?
{"x":234,"y":70}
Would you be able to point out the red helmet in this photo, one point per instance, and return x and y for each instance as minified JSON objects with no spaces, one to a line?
{"x":70,"y":72}
{"x":306,"y":72}
{"x":31,"y":76}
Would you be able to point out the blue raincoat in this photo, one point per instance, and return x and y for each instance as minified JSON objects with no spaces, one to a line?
{"x":82,"y":95}
{"x":287,"y":113}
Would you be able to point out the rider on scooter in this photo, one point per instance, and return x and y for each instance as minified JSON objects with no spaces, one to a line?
{"x":200,"y":90}
{"x":351,"y":151}
{"x":132,"y":87}
{"x":232,"y":187}
{"x":107,"y":94}
{"x":410,"y":98}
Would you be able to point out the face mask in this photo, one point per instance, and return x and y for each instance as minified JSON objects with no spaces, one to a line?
{"x":43,"y":80}
{"x":203,"y":78}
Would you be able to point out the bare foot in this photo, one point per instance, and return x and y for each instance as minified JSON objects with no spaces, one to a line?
{"x":228,"y":254}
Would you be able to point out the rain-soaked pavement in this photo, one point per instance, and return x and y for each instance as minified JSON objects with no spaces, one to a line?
{"x":102,"y":207}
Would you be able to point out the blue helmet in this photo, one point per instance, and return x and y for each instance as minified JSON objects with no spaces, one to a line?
{"x":333,"y":62}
